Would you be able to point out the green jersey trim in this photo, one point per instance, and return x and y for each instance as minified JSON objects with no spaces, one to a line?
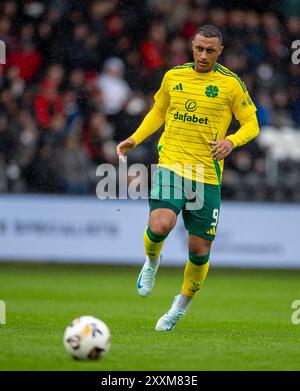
{"x":186,"y":65}
{"x":218,"y":171}
{"x":231,"y":74}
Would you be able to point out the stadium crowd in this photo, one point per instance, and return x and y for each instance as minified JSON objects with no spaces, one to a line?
{"x":80,"y":76}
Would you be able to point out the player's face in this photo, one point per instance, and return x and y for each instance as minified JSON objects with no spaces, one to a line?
{"x":206,"y":52}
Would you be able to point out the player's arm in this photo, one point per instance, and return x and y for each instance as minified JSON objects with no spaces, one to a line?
{"x":249,"y":130}
{"x":245,"y":112}
{"x":151,"y":123}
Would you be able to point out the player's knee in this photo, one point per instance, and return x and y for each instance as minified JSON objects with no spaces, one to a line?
{"x":200,"y":252}
{"x":161,"y":227}
{"x":199,"y":246}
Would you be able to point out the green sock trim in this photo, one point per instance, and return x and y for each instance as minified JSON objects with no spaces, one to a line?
{"x":199,"y":259}
{"x":155,"y":238}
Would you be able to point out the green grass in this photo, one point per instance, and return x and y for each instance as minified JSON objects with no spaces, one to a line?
{"x":241,"y":320}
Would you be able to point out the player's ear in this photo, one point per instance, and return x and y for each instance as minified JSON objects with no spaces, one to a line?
{"x":221,"y":49}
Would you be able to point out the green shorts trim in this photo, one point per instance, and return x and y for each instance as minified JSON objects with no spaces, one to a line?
{"x":199,"y":202}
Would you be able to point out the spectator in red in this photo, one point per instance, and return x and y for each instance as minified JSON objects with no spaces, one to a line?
{"x":27,"y":58}
{"x":154,"y":50}
{"x":47,"y":103}
{"x":196,"y":18}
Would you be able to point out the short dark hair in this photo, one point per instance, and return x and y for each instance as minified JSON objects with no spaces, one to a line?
{"x":209,"y":31}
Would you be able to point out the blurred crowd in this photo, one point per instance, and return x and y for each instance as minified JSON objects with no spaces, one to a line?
{"x":80,"y":76}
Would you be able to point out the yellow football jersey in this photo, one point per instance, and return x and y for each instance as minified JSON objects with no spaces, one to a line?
{"x":199,"y":109}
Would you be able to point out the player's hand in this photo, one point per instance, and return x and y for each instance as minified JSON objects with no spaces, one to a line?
{"x":221,"y":149}
{"x":124,"y":147}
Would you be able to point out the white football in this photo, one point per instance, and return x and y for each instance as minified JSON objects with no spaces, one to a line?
{"x":87,"y":338}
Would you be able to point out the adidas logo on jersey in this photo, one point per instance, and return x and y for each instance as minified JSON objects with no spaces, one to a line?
{"x":178,"y":87}
{"x":212,"y":231}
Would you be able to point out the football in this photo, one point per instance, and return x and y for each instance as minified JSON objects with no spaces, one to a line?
{"x":87,"y":338}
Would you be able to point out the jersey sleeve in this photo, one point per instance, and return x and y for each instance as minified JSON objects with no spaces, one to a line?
{"x":248,"y":131}
{"x":162,"y":97}
{"x":156,"y":116}
{"x":241,"y":103}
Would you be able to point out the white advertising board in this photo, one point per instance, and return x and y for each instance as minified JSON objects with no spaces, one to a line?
{"x":85,"y":229}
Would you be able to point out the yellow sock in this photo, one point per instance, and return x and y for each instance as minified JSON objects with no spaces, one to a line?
{"x":194,"y":276}
{"x":153,"y":244}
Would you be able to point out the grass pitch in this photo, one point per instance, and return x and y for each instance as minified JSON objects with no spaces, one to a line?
{"x":241,"y":320}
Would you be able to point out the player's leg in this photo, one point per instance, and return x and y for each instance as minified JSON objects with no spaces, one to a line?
{"x":201,"y":223}
{"x":194,"y":275}
{"x":161,"y":222}
{"x":195,"y":270}
{"x":165,"y":205}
